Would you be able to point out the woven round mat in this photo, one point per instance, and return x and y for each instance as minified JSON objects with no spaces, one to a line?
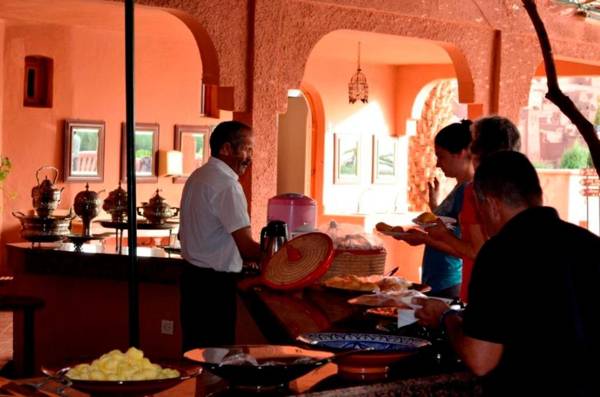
{"x":300,"y":262}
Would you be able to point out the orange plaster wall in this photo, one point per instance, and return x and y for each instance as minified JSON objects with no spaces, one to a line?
{"x":330,"y":78}
{"x":2,"y":33}
{"x":568,"y":68}
{"x":89,"y":84}
{"x":411,"y":80}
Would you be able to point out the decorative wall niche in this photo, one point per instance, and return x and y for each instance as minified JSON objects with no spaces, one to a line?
{"x":37,"y":89}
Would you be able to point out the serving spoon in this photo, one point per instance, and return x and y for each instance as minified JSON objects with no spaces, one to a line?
{"x":392,"y":272}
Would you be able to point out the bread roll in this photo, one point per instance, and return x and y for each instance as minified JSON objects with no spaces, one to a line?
{"x":426,"y":217}
{"x":383,"y":227}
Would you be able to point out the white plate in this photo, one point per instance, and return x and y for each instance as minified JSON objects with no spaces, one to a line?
{"x":449,"y":222}
{"x":395,"y":234}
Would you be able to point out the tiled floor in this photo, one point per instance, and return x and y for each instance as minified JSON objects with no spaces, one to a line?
{"x":6,"y":343}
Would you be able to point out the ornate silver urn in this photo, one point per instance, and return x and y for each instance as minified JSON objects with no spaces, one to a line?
{"x":116,"y":204}
{"x":157,"y":211}
{"x":87,"y":206}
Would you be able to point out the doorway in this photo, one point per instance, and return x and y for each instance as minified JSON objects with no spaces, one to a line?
{"x":294,"y":144}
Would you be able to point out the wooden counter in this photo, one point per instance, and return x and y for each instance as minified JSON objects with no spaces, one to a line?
{"x":85,"y":294}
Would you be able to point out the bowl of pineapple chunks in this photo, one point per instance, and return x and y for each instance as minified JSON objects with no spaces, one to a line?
{"x":123,"y":374}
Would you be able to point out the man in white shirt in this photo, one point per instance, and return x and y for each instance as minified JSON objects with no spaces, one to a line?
{"x":215,"y":238}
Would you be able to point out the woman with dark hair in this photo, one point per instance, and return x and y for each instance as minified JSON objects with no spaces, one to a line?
{"x":490,"y":134}
{"x":439,"y":270}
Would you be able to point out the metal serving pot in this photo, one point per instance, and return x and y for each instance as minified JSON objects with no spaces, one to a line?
{"x":116,"y":204}
{"x":41,"y":229}
{"x":45,"y":196}
{"x":157,"y":211}
{"x":87,"y":206}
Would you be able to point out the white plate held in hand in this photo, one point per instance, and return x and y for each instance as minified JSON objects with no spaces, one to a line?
{"x":448,"y":222}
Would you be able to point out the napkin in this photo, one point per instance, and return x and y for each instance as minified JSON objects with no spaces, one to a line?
{"x":407,"y":316}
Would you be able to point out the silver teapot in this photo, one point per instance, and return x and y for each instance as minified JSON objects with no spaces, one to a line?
{"x":45,"y":195}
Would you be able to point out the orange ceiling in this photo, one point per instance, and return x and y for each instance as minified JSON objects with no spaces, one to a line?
{"x":378,"y":48}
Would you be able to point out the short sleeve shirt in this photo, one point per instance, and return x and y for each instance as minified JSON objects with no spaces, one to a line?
{"x":534,"y":290}
{"x":213,"y":206}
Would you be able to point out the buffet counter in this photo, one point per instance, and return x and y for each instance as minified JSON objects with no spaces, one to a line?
{"x":283,"y":316}
{"x":85,"y":314}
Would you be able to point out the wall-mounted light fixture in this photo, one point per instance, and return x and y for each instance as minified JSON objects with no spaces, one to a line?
{"x":170,"y":163}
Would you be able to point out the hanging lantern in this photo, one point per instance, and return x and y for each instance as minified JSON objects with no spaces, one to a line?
{"x":358,"y":89}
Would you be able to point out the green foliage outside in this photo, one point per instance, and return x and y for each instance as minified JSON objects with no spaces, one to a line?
{"x":576,"y":157}
{"x":143,"y":145}
{"x":597,"y":119}
{"x":139,"y":153}
{"x":5,"y":166}
{"x":542,"y":165}
{"x":89,"y":140}
{"x":199,"y":141}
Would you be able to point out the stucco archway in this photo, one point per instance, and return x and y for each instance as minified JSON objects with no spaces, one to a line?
{"x":456,"y":39}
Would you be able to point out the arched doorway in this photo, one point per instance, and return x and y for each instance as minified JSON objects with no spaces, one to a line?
{"x":396,"y":69}
{"x":374,"y":134}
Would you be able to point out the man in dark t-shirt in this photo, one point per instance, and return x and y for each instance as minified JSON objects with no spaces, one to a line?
{"x":532,"y":325}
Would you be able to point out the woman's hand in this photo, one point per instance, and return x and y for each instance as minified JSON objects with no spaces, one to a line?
{"x":414,"y":237}
{"x":439,"y":231}
{"x":434,"y":193}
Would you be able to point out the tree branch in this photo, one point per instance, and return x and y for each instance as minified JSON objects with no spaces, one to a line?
{"x":555,"y":95}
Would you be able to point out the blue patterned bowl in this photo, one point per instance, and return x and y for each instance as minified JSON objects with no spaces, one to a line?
{"x":379,"y":351}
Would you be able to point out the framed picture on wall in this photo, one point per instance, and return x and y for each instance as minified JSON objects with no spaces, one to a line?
{"x":192,"y":142}
{"x":384,"y":159}
{"x":84,"y":151}
{"x":146,"y":149}
{"x":346,"y":159}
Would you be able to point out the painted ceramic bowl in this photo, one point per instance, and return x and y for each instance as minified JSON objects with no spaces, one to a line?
{"x":375,"y":352}
{"x":258,"y":367}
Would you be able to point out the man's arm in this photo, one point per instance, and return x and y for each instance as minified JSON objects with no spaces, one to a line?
{"x":249,"y":249}
{"x":479,"y":355}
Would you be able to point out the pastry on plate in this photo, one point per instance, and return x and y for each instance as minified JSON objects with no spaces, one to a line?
{"x":426,"y":217}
